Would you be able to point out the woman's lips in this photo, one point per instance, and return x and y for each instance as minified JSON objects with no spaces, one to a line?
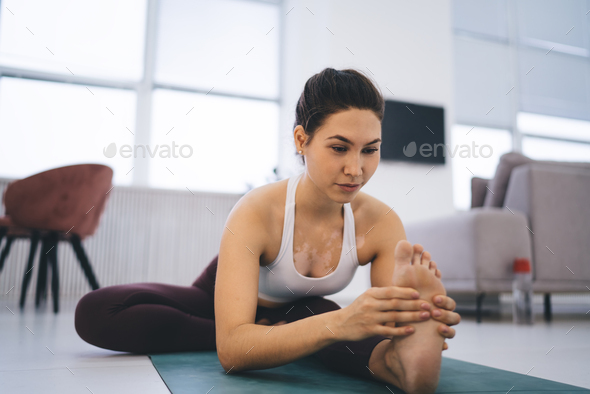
{"x":348,"y":188}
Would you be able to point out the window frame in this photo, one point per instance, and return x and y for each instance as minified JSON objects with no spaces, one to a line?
{"x":145,"y":87}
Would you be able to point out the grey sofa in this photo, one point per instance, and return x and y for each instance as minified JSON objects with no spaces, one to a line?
{"x":533,"y":209}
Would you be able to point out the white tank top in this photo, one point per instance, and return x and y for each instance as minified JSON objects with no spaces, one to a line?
{"x":280,"y":282}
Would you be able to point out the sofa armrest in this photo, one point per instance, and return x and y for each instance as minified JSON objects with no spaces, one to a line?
{"x":479,"y":245}
{"x":555,"y":198}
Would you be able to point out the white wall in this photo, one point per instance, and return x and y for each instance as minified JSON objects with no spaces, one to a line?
{"x":408,"y":48}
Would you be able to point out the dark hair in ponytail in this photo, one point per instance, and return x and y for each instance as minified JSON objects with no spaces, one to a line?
{"x":331,"y":91}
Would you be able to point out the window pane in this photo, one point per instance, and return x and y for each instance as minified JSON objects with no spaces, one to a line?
{"x":488,"y":145}
{"x":482,"y":79}
{"x":550,"y":20}
{"x":481,"y":16}
{"x":44,"y":125}
{"x":551,"y":126}
{"x":227,"y":45}
{"x":547,"y":149}
{"x":91,"y":38}
{"x":557,"y":85}
{"x":222,"y":144}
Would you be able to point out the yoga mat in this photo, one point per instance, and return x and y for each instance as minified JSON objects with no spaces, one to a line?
{"x":201,"y":372}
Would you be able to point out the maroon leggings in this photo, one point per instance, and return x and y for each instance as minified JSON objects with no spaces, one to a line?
{"x":159,"y":317}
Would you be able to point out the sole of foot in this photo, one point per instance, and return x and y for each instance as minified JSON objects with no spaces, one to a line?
{"x":416,"y":359}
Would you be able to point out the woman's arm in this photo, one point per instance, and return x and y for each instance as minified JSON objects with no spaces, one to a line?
{"x":260,"y":347}
{"x":242,"y":344}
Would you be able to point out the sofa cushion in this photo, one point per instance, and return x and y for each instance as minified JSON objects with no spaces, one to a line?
{"x":478,"y":191}
{"x":498,"y":185}
{"x":496,"y":191}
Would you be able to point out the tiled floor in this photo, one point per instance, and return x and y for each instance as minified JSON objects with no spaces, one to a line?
{"x":41,"y":353}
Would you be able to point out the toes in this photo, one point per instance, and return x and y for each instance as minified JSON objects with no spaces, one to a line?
{"x":426,"y":259}
{"x":432,"y":266}
{"x":418,"y":249}
{"x":438,"y":274}
{"x":403,"y":252}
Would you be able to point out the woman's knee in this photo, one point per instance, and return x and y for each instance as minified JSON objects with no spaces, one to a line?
{"x":84,"y":315}
{"x":92,"y":310}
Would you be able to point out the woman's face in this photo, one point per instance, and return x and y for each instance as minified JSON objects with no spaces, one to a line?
{"x":345,"y":150}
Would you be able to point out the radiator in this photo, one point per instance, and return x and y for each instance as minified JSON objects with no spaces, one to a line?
{"x":145,"y":235}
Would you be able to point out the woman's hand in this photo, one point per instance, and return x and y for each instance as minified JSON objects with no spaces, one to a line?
{"x":444,"y":314}
{"x":376,"y":311}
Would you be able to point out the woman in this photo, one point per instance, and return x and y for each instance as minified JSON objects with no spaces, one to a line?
{"x":293,"y":257}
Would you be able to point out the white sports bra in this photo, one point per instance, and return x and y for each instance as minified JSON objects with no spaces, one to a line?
{"x":280,"y":282}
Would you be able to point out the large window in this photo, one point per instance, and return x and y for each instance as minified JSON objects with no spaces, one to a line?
{"x":84,"y":38}
{"x":169,"y":93}
{"x":523,"y":67}
{"x":552,"y":138}
{"x":230,"y":144}
{"x":45,"y":125}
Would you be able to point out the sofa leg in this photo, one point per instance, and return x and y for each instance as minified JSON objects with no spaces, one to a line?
{"x":479,"y":302}
{"x":547,"y":304}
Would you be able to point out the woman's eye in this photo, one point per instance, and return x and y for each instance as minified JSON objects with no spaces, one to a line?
{"x":341,"y":149}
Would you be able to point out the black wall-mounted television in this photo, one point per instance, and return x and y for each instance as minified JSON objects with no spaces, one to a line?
{"x":413,"y":133}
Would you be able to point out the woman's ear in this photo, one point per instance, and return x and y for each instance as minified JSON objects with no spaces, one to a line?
{"x":299,"y":137}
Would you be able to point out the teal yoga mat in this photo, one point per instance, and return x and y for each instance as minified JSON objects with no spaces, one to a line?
{"x":201,"y":372}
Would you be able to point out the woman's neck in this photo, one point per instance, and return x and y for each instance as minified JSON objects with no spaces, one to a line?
{"x":315,"y":203}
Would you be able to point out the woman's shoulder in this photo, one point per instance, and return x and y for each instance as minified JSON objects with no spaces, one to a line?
{"x":265,"y":201}
{"x":369,"y":208}
{"x":372,"y":214}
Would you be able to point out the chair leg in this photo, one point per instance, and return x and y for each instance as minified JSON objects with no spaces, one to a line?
{"x":27,"y":277}
{"x":83,"y":259}
{"x":52,"y":259}
{"x":479,"y":302}
{"x":547,"y":305}
{"x":5,"y":251}
{"x":42,"y":273}
{"x":3,"y":232}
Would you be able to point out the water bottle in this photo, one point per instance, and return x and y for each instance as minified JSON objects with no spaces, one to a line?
{"x":522,"y":292}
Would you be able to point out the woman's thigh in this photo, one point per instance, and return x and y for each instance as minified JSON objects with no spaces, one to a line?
{"x":147,"y":317}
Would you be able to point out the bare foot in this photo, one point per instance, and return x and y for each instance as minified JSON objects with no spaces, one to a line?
{"x":416,"y":359}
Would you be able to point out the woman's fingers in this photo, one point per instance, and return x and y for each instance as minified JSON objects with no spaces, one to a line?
{"x":449,"y":333}
{"x":397,"y":304}
{"x":392,"y":292}
{"x":392,"y":331}
{"x":403,"y":317}
{"x":445,"y":302}
{"x":447,"y":317}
